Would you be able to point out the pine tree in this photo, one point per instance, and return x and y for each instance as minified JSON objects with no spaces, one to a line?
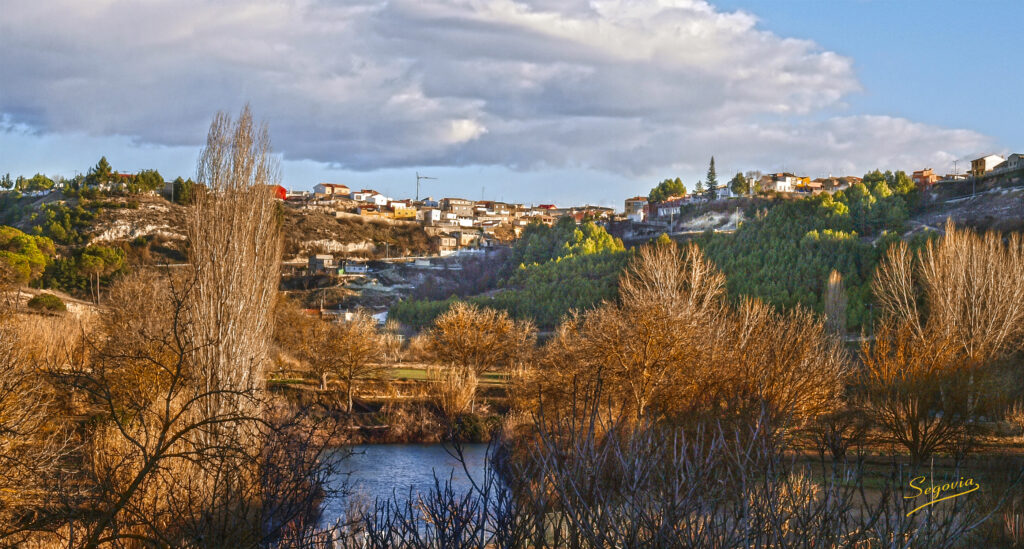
{"x":712,"y":178}
{"x":100,"y":173}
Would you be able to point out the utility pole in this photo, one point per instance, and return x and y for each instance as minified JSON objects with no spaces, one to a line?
{"x":418,"y":177}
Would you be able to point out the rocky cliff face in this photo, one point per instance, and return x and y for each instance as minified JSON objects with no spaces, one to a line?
{"x":166,"y":221}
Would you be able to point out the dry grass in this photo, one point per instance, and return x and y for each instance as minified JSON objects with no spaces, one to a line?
{"x":453,"y":389}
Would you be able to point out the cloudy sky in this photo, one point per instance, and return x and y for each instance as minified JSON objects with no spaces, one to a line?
{"x":565,"y":101}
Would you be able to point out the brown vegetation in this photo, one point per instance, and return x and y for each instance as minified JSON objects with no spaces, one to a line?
{"x":474,"y":340}
{"x":672,"y":349}
{"x":951,"y":314}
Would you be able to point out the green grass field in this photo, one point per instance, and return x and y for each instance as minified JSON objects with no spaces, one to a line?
{"x":420,"y":374}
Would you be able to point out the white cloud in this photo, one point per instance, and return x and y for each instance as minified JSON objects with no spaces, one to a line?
{"x":615,"y":85}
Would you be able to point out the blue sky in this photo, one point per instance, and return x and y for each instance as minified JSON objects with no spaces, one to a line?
{"x":561,"y":101}
{"x":945,"y":62}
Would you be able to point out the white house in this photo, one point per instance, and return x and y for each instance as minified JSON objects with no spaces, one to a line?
{"x":985,"y":164}
{"x":780,"y":182}
{"x":669,"y":207}
{"x":430,"y":216}
{"x":369,"y":195}
{"x":636,"y":208}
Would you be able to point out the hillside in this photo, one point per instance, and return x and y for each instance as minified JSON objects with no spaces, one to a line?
{"x":154,"y":223}
{"x":995,"y":203}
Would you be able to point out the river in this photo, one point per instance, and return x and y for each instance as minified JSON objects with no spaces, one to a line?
{"x":383,"y":471}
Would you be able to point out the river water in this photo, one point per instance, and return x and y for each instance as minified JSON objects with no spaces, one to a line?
{"x":383,"y":471}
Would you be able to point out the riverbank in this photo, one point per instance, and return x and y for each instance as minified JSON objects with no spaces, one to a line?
{"x":395,"y":416}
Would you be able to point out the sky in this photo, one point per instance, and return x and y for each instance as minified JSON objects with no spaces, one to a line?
{"x":558,"y":101}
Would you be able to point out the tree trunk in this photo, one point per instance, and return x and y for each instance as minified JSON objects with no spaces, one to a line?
{"x":348,"y":389}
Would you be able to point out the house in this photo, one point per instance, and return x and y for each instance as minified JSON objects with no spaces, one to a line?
{"x":332,"y":189}
{"x":371,"y":196}
{"x":635,"y":208}
{"x":321,"y":263}
{"x":457,"y":206}
{"x":370,"y":210}
{"x":402,"y":210}
{"x":724,"y":192}
{"x":466,"y":238}
{"x":825,"y":183}
{"x":353,"y":267}
{"x":925,"y":178}
{"x":813,"y":186}
{"x":429,"y":216}
{"x":783,"y":182}
{"x":429,"y":202}
{"x":985,"y":164}
{"x":443,"y":243}
{"x":1013,"y":162}
{"x":668,"y":207}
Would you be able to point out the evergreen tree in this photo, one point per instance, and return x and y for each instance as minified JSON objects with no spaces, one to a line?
{"x":699,"y":189}
{"x":6,"y":182}
{"x":100,"y":173}
{"x":712,"y":182}
{"x":147,"y":180}
{"x":739,"y":185}
{"x":665,"y":189}
{"x":184,"y":191}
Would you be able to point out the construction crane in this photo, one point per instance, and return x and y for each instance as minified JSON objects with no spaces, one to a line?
{"x":418,"y":177}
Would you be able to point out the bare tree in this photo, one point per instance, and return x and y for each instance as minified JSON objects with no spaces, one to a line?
{"x":235,"y":249}
{"x":786,"y":364}
{"x":657,"y":339}
{"x":480,"y":339}
{"x":151,"y":471}
{"x":350,"y":350}
{"x":972,"y":288}
{"x":949,"y":313}
{"x":923,"y":393}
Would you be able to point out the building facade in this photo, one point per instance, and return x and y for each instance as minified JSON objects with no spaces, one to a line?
{"x":985,"y":164}
{"x":332,"y":189}
{"x":458,"y":206}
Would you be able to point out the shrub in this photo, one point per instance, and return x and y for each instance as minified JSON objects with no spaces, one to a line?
{"x":47,"y":302}
{"x":468,"y":428}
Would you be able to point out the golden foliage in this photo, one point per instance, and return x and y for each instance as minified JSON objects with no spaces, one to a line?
{"x":480,"y":338}
{"x":672,"y":348}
